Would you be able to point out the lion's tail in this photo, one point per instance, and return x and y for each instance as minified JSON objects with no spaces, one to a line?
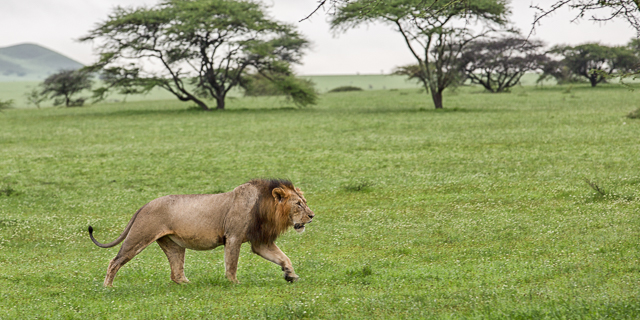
{"x":120,"y":238}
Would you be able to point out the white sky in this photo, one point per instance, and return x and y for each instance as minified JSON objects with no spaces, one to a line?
{"x":367,"y":50}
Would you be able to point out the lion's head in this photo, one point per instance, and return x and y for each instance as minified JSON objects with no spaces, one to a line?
{"x":281,"y":206}
{"x":291,"y":202}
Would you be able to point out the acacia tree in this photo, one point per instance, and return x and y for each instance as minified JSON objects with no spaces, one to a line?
{"x":429,"y":29}
{"x":201,"y":48}
{"x":596,"y":62}
{"x":498,"y":64}
{"x":63,"y":85}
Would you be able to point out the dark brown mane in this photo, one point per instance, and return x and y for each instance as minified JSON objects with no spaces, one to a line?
{"x":269,"y":219}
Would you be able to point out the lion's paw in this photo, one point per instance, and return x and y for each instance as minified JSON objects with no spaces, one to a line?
{"x":181,"y":281}
{"x":291,"y":277}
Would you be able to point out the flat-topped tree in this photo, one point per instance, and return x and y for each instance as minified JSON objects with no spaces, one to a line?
{"x":195,"y":49}
{"x":63,"y":85}
{"x":434,"y":31}
{"x":499,"y":64}
{"x":597,"y":62}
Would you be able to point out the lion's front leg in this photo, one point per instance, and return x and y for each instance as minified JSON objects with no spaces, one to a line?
{"x":272,"y":253}
{"x":231,"y":256}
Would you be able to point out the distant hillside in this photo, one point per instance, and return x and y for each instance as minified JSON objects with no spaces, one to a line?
{"x":24,"y":62}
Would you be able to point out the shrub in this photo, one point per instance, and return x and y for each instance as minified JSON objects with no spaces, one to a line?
{"x":34,"y":97}
{"x":635,"y":114}
{"x":6,"y":104}
{"x":358,"y":186}
{"x":345,"y":88}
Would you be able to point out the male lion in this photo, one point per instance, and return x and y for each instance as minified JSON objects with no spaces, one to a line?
{"x":257,"y":211}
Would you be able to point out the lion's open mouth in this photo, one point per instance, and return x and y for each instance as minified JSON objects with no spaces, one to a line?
{"x":299,"y":227}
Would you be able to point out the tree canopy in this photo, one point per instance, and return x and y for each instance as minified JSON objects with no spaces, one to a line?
{"x":498,"y":64}
{"x":597,"y":62}
{"x":195,"y":49}
{"x":624,"y":9}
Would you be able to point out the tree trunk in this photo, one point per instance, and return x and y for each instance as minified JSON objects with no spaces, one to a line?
{"x":220,"y":102}
{"x":437,"y":98}
{"x":200,"y":104}
{"x":593,"y":78}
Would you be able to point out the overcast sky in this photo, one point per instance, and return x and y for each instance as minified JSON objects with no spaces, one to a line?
{"x":366,"y":50}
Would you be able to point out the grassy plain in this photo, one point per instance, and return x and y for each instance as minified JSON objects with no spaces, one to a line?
{"x":17,"y":90}
{"x":476,"y":211}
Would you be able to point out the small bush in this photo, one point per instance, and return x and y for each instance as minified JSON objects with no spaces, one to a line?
{"x":8,"y":191}
{"x":602,"y":194}
{"x":364,"y":272}
{"x":595,"y":187}
{"x":345,"y":89}
{"x":34,"y":97}
{"x":6,"y":104}
{"x":358,"y":186}
{"x":635,"y":114}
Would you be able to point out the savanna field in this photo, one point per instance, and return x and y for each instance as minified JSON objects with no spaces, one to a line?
{"x":487,"y":209}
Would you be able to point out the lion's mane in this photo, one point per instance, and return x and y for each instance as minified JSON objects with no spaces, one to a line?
{"x":269,"y":218}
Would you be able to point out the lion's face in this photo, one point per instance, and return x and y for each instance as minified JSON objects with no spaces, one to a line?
{"x":295,"y":204}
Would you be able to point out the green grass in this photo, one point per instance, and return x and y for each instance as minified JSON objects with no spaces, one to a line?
{"x":480,"y":210}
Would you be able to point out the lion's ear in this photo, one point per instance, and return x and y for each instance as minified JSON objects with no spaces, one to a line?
{"x":278,"y":194}
{"x":299,"y":191}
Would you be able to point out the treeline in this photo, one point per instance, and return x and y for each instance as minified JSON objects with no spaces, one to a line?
{"x":499,"y":64}
{"x":444,"y":39}
{"x":198,"y":50}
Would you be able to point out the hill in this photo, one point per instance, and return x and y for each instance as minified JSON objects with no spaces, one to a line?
{"x":24,"y":62}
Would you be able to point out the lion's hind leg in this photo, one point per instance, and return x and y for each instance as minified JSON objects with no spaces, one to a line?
{"x":132,"y":245}
{"x":175,"y":254}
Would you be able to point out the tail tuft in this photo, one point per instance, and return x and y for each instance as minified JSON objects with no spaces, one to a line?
{"x":90,"y":229}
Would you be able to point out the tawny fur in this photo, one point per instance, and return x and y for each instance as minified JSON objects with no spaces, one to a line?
{"x":256,"y":212}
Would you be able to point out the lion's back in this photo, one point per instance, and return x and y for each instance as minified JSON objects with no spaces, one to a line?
{"x":209,"y":210}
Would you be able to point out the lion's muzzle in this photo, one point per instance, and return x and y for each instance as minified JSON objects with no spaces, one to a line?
{"x":299,"y":227}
